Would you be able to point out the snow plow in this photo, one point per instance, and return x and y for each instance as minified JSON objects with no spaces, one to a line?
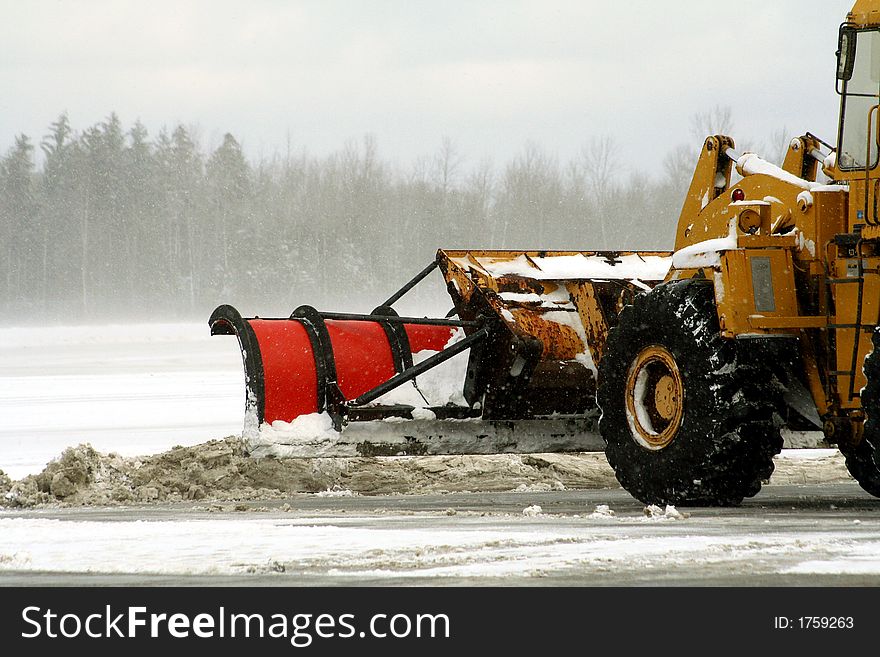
{"x":529,"y":382}
{"x":689,"y":363}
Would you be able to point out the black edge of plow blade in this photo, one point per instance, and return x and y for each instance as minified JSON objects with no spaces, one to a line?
{"x":226,"y":320}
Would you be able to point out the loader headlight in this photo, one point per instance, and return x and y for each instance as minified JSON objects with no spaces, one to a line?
{"x":749,"y":222}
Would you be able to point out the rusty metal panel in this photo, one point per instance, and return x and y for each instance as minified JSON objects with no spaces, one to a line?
{"x":592,"y":316}
{"x":567,"y":300}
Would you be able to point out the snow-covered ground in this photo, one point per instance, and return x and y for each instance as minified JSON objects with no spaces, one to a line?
{"x":142,"y":389}
{"x":134,"y":389}
{"x":386,"y":545}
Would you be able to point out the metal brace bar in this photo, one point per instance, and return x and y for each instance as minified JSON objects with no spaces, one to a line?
{"x":427,"y":321}
{"x":415,"y":281}
{"x":419,"y":368}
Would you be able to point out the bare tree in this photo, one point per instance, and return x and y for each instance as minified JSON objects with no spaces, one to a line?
{"x":446,"y":165}
{"x":479,"y":187}
{"x":529,"y":198}
{"x":777,"y":144}
{"x":715,"y":121}
{"x":600,"y":162}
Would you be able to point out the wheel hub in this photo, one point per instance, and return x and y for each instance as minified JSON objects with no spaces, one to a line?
{"x":665,"y":397}
{"x":654,"y":398}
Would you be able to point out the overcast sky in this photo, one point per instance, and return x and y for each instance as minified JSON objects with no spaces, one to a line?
{"x":489,"y":75}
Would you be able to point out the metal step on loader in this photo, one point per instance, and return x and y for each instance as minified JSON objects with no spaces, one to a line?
{"x":689,"y":363}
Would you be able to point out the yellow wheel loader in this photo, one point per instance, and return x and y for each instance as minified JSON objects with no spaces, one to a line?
{"x":690,"y":362}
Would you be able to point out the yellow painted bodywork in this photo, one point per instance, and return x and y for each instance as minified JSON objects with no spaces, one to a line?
{"x":865,"y":13}
{"x":788,"y":225}
{"x":781,"y":228}
{"x":740,"y":309}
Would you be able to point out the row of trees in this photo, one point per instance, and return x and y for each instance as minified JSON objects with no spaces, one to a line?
{"x":117,"y":223}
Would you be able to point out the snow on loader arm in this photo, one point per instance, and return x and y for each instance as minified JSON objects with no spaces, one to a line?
{"x":534,"y":324}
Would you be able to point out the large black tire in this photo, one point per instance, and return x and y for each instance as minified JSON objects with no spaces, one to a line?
{"x":722,"y":441}
{"x":863,"y":459}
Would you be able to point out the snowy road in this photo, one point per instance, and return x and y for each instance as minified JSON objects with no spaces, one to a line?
{"x":787,"y":535}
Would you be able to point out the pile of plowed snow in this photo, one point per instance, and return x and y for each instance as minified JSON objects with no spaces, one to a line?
{"x":221,"y":470}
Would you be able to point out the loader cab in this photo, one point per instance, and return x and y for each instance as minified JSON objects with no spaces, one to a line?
{"x":858,"y":83}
